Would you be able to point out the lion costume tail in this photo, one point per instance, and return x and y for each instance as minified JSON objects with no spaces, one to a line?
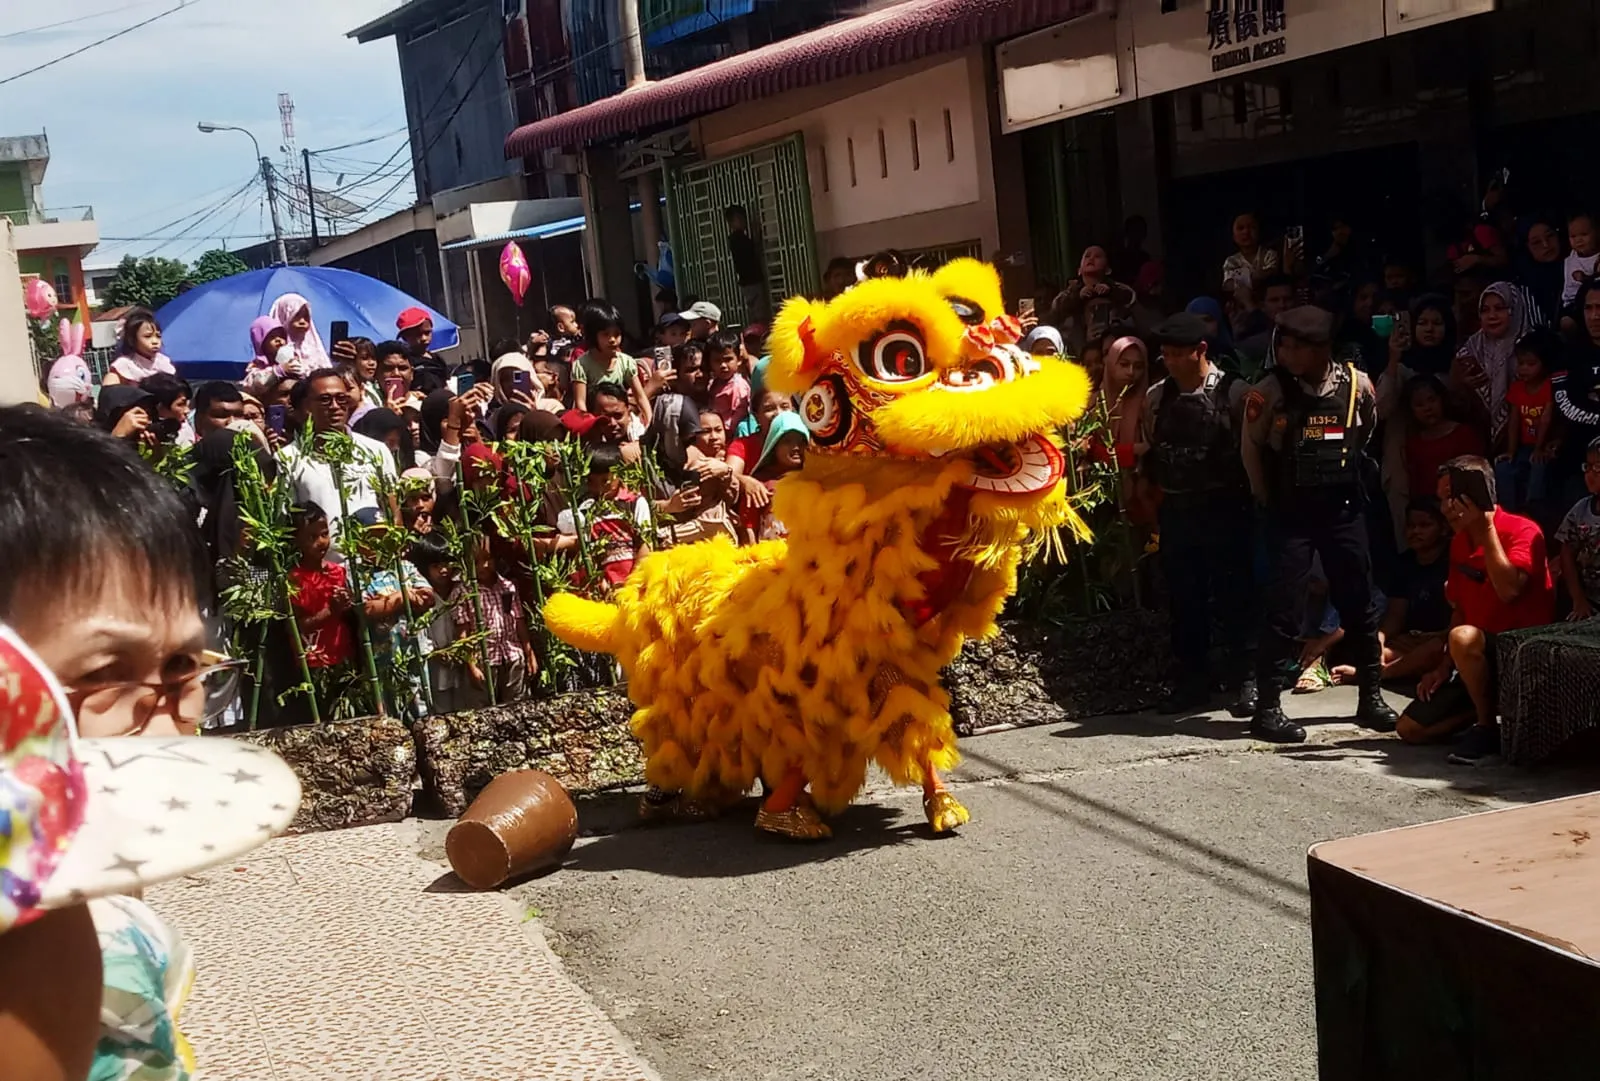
{"x":588,"y":625}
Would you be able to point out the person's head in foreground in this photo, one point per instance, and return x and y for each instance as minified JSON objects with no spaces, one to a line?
{"x":104,"y":574}
{"x":90,"y":818}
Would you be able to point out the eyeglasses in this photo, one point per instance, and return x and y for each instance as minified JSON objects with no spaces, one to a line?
{"x":200,"y":696}
{"x":1591,"y":467}
{"x":329,"y":399}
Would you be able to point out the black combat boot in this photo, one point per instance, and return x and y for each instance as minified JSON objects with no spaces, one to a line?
{"x":1269,"y":722}
{"x":1244,"y":704}
{"x":1372,"y":712}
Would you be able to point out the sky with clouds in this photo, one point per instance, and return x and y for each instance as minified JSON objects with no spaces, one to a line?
{"x":121,"y":117}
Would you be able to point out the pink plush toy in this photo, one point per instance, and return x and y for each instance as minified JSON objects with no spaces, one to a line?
{"x":39,"y":298}
{"x":69,"y":379}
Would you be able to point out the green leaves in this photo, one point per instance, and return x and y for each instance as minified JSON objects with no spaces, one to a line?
{"x":148,"y":283}
{"x":215,"y":264}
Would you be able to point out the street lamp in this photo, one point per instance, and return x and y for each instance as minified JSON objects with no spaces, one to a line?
{"x":266,"y":176}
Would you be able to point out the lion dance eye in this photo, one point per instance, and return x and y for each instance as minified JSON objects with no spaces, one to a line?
{"x":895,"y":357}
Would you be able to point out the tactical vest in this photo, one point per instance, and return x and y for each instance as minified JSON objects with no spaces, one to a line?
{"x":1321,"y":443}
{"x":1194,"y":447}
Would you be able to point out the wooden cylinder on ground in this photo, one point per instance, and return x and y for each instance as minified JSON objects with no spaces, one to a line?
{"x":522,"y":822}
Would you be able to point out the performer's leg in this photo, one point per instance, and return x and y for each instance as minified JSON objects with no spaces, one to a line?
{"x":789,"y":812}
{"x":787,"y":792}
{"x":944,"y":812}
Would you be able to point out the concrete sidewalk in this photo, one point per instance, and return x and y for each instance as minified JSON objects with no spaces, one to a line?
{"x":346,"y":955}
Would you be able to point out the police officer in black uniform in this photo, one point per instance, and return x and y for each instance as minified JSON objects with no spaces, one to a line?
{"x":1307,"y":424}
{"x":1191,"y":425}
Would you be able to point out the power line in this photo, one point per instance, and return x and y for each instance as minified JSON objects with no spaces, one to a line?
{"x":109,"y":37}
{"x":201,"y":220}
{"x":184,"y":202}
{"x":492,"y":57}
{"x":196,"y":236}
{"x":360,"y":142}
{"x":78,"y":19}
{"x":193,"y":214}
{"x":422,"y":121}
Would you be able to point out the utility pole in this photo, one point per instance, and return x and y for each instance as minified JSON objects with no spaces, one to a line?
{"x":632,"y":43}
{"x":311,"y":200}
{"x":633,"y":68}
{"x":272,"y":205}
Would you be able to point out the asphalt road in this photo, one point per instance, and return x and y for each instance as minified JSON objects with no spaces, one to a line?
{"x":1129,"y":902}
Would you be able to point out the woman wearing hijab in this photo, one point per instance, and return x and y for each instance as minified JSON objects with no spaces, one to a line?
{"x":1486,"y":361}
{"x":293,"y":313}
{"x":507,"y":422}
{"x":1044,"y":341}
{"x":503,"y":378}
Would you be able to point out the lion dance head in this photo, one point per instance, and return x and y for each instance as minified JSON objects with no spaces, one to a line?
{"x":924,"y":369}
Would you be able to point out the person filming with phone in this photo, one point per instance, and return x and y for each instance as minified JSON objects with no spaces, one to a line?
{"x":1499,"y":580}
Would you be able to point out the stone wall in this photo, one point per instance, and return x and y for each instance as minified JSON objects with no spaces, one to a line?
{"x":582,"y":739}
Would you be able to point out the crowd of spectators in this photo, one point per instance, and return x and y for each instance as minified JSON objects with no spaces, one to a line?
{"x":1488,"y":363}
{"x":676,"y":437}
{"x":1496,"y":359}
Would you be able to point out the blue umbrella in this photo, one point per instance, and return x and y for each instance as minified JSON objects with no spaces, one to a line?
{"x":206,"y":331}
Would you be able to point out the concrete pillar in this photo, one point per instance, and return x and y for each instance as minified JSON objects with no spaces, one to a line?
{"x":609,"y":236}
{"x":1139,"y":168}
{"x":19,"y":381}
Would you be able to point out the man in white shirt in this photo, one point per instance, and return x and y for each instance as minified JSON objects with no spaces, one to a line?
{"x":324,"y":397}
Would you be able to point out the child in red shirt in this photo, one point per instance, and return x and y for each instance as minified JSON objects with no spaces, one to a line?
{"x":1432,"y":437}
{"x":321,"y":593}
{"x":1519,"y":472}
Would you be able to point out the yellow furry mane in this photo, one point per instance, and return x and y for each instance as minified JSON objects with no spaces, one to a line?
{"x":935,"y":465}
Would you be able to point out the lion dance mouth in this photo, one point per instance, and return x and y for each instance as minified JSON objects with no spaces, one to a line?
{"x":1032,"y":466}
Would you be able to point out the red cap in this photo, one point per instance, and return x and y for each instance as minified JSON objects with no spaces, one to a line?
{"x":412,"y":317}
{"x":578,"y":422}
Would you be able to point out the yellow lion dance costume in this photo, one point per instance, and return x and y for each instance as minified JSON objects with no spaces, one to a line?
{"x":798,"y":662}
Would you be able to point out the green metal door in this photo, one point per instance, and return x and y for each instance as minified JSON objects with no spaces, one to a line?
{"x":770,"y":182}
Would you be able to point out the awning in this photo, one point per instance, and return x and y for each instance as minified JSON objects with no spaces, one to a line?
{"x":537,"y":232}
{"x":879,"y":39}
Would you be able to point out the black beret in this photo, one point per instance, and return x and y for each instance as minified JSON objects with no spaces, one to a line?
{"x":1309,"y":323}
{"x":1183,"y":329}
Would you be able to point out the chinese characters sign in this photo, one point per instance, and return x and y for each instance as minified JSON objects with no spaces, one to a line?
{"x":1243,"y":32}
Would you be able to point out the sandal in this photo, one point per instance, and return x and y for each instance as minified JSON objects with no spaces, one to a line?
{"x":1315,"y":678}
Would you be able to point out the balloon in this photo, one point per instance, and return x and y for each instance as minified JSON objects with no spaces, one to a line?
{"x":515,"y":272}
{"x":39,"y":299}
